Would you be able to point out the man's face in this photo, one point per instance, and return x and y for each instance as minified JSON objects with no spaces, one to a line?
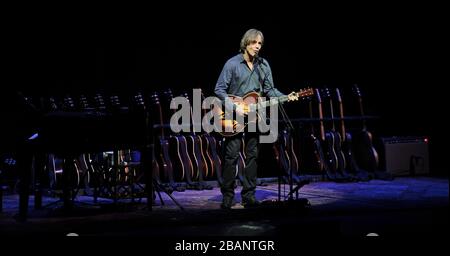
{"x":254,"y":46}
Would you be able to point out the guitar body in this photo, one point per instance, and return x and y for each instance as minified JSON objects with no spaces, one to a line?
{"x":365,"y":152}
{"x":183,"y":168}
{"x":294,"y":159}
{"x":313,"y":154}
{"x":331,"y":153}
{"x":155,"y":169}
{"x":216,"y":162}
{"x":340,"y":157}
{"x":206,"y":152}
{"x":348,"y":152}
{"x":331,"y":156}
{"x":352,"y":165}
{"x":198,"y":160}
{"x":58,"y":179}
{"x":201,"y":150}
{"x":85,"y":169}
{"x":165,"y":161}
{"x":231,"y":127}
{"x":288,"y":156}
{"x":283,"y":157}
{"x":209,"y":151}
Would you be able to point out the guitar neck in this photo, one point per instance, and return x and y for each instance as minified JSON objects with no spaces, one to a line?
{"x":319,"y":105}
{"x":310,"y":108}
{"x":161,"y":122}
{"x":322,"y":126}
{"x":333,"y":128}
{"x":341,"y":112}
{"x":271,"y":102}
{"x":361,"y":110}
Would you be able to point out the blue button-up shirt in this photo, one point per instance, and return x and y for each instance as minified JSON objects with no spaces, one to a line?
{"x":237,"y":79}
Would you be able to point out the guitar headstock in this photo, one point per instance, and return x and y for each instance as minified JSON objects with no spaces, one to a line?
{"x":168,"y":95}
{"x":305,"y":92}
{"x":10,"y":161}
{"x":356,"y":91}
{"x":155,"y":99}
{"x":186,"y":95}
{"x":99,"y":102}
{"x":358,"y":94}
{"x":68,"y":104}
{"x":114,"y":101}
{"x":326,"y":93}
{"x":138,"y":100}
{"x":52,"y":104}
{"x":83,"y":101}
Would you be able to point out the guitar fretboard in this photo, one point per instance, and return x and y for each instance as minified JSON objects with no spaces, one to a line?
{"x":271,"y":102}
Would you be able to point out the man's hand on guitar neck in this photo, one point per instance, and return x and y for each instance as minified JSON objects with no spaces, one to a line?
{"x":292,"y":96}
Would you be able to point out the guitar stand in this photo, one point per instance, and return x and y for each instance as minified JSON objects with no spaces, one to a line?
{"x":68,"y":195}
{"x":300,"y":184}
{"x":158,"y":188}
{"x":289,"y":198}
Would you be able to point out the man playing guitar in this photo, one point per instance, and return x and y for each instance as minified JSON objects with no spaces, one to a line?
{"x":242,"y":74}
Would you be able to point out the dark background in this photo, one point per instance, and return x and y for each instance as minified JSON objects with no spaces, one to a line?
{"x":391,"y":52}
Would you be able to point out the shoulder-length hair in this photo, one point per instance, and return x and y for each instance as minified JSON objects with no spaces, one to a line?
{"x":248,"y":37}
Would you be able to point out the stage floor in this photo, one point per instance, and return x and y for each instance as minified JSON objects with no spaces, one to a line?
{"x":405,"y":206}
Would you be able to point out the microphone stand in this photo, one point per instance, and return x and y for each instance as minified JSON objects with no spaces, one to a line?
{"x":290,"y":129}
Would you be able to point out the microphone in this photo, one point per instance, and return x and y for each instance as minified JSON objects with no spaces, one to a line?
{"x":259,"y":59}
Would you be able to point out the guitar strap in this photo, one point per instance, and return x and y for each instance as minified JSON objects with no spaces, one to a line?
{"x":259,"y":81}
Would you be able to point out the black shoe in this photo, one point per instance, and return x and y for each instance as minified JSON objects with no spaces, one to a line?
{"x":227,"y":203}
{"x":250,"y":203}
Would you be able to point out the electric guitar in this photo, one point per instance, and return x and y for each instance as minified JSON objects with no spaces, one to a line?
{"x":249,"y":103}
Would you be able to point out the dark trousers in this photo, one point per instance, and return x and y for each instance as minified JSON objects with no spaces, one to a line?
{"x":232,"y":147}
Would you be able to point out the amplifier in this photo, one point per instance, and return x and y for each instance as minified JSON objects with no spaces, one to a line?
{"x":405,"y":155}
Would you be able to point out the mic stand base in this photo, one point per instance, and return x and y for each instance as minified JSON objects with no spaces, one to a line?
{"x":299,"y":204}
